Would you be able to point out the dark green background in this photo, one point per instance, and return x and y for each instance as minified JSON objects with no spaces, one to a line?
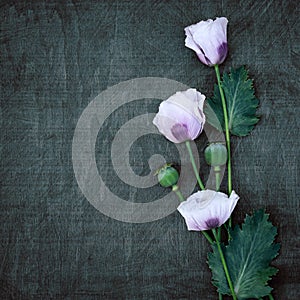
{"x":56,"y":56}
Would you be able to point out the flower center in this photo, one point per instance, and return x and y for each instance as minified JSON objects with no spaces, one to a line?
{"x":212,"y":223}
{"x":180,"y":132}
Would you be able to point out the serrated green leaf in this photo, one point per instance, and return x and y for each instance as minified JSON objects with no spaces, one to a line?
{"x":212,"y":114}
{"x":248,"y":256}
{"x":240,"y":100}
{"x":218,"y":275}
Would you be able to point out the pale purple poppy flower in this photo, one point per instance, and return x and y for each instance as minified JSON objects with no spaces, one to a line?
{"x":209,"y":40}
{"x":180,"y":118}
{"x":207,"y":209}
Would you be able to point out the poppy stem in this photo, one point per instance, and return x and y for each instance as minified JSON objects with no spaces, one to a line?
{"x":217,"y":174}
{"x":188,"y":145}
{"x":224,"y":264}
{"x":271,"y":297}
{"x":177,"y":191}
{"x":227,"y":134}
{"x":217,"y":170}
{"x":208,"y":237}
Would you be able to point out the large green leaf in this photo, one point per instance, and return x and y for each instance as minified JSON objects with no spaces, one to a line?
{"x":248,"y":256}
{"x":240,"y":100}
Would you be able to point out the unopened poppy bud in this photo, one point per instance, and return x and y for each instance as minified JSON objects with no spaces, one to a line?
{"x":167,"y":176}
{"x":180,"y":118}
{"x":216,"y":154}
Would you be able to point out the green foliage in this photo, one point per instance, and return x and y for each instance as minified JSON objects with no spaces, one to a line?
{"x":248,"y":256}
{"x":240,"y":100}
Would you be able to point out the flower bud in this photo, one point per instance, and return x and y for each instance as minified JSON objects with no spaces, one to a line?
{"x":167,"y":176}
{"x":180,"y":118}
{"x":216,"y":154}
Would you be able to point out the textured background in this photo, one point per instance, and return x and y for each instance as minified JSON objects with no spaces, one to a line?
{"x":56,"y":56}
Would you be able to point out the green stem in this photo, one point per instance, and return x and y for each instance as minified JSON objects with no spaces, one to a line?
{"x":271,"y":297}
{"x":219,"y":233}
{"x":177,"y":191}
{"x":220,"y":296}
{"x":224,"y":264}
{"x":227,"y":135}
{"x":208,"y":237}
{"x":217,"y":170}
{"x":188,"y":145}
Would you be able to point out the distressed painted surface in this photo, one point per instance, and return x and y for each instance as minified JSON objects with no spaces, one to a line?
{"x":58,"y":55}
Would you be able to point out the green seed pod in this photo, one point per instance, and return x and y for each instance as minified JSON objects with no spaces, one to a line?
{"x":216,"y":154}
{"x":167,"y":176}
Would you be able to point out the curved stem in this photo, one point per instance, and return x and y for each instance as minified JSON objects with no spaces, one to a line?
{"x":271,"y":297}
{"x":188,"y":145}
{"x":227,"y":134}
{"x":208,"y":237}
{"x":177,"y":191}
{"x":224,"y":265}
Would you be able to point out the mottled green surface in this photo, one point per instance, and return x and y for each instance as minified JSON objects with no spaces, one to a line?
{"x":56,"y":56}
